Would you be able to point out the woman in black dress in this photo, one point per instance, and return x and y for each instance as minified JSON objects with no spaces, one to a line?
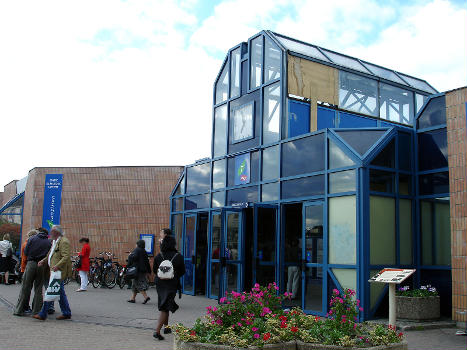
{"x":139,"y":258}
{"x":167,"y":288}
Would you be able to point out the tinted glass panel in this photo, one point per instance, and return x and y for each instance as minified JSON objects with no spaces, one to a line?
{"x":345,"y":61}
{"x":271,"y":166}
{"x":256,"y":62}
{"x":381,"y":181}
{"x":304,"y":187}
{"x":342,"y":230}
{"x":326,"y":118}
{"x":198,"y":178}
{"x":433,"y":114}
{"x":435,"y":232}
{"x":222,"y":85}
{"x":361,"y":141}
{"x":220,"y":131}
{"x":303,"y":156}
{"x":343,"y":181}
{"x":298,"y":119}
{"x":396,"y":104}
{"x":242,"y":124}
{"x":337,"y":157}
{"x":405,"y":184}
{"x":420,"y":100}
{"x":384,"y":73}
{"x":302,"y":48}
{"x":405,"y":231}
{"x":177,"y":204}
{"x":358,"y":94}
{"x":270,"y":192}
{"x":271,"y":113}
{"x":218,"y":173}
{"x":386,"y":157}
{"x":347,"y":120}
{"x":405,"y":151}
{"x":235,"y":71}
{"x":272,"y":61}
{"x":434,"y":183}
{"x":382,"y":231}
{"x":197,"y":202}
{"x":432,"y":150}
{"x":218,"y":199}
{"x":242,"y":195}
{"x":177,"y":229}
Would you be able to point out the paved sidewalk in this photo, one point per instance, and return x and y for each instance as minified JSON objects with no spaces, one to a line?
{"x":102,"y":319}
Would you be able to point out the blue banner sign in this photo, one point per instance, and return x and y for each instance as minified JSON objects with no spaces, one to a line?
{"x":242,"y":169}
{"x":52,"y":200}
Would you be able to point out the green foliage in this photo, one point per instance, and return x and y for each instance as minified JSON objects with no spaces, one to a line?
{"x":257,"y":318}
{"x":423,"y":291}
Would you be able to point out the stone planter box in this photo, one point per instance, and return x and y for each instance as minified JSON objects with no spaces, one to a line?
{"x":417,"y":309}
{"x":179,"y":345}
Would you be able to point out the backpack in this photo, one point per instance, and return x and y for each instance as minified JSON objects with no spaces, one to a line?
{"x":165,"y":271}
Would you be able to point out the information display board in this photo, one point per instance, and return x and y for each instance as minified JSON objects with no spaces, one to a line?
{"x":149,"y":242}
{"x":390,"y":275}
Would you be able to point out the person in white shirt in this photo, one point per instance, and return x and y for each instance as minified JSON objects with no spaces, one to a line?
{"x":6,"y":251}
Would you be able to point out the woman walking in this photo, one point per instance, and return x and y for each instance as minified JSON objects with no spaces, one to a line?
{"x":84,"y":268}
{"x":6,"y":261}
{"x":139,"y":258}
{"x":166,"y":286}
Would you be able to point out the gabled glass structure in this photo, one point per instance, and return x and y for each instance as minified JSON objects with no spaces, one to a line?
{"x":324,"y":169}
{"x":11,"y":219}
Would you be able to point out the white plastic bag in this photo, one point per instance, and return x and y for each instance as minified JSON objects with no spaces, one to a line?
{"x":53,"y":290}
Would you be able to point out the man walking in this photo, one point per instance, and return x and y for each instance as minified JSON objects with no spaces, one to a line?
{"x":36,"y":249}
{"x":58,"y":259}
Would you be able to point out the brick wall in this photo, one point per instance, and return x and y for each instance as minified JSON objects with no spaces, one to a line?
{"x":9,"y":192}
{"x":457,"y":149}
{"x":111,"y":206}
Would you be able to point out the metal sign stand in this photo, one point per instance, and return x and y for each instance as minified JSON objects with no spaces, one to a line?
{"x":392,"y":277}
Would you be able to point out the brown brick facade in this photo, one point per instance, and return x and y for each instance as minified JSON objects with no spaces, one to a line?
{"x":9,"y":191}
{"x":457,"y":147}
{"x":111,"y":206}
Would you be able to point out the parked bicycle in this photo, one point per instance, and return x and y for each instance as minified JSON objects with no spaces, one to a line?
{"x":121,"y":270}
{"x":74,"y":271}
{"x":102,"y":271}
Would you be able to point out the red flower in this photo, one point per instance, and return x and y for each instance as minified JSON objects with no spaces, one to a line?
{"x":283,"y":324}
{"x":294,"y":329}
{"x":283,"y":318}
{"x":266,"y":336}
{"x":193,"y":333}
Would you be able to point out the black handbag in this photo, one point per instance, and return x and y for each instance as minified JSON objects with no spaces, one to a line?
{"x":131,"y":273}
{"x":78,"y":262}
{"x":9,"y":253}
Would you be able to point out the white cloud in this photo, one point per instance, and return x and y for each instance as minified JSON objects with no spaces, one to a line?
{"x":130,"y":82}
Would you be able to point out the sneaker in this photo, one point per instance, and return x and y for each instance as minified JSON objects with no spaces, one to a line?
{"x":158,"y":336}
{"x":167,"y":330}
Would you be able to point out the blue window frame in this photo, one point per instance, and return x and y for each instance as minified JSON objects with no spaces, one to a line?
{"x":303,"y":156}
{"x":298,"y":118}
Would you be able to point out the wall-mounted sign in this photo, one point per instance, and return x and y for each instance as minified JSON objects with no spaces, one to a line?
{"x":52,"y":200}
{"x":389,"y":275}
{"x":149,"y":242}
{"x":242,"y":169}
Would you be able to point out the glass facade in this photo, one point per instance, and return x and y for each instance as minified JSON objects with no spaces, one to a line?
{"x":11,"y":219}
{"x":343,"y":190}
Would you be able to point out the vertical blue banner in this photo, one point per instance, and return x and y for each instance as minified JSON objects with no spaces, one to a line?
{"x":52,"y":200}
{"x":242,"y":169}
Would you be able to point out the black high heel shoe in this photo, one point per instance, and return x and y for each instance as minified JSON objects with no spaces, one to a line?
{"x":158,"y":336}
{"x":146,"y":300}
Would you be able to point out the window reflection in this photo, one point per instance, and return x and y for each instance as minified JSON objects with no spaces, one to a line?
{"x":218,"y":199}
{"x":357,"y":93}
{"x":198,"y":178}
{"x":433,"y":114}
{"x":256,"y":62}
{"x":304,"y":187}
{"x":235,"y":71}
{"x":222,"y":85}
{"x":272,"y":61}
{"x":271,"y":113}
{"x":303,"y":156}
{"x":337,"y":157}
{"x":271,"y":166}
{"x":433,"y":149}
{"x":220,"y":131}
{"x":218,"y":173}
{"x":343,"y":181}
{"x":381,"y":181}
{"x":396,"y":104}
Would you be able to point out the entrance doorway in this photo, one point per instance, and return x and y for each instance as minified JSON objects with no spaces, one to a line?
{"x":302,"y":265}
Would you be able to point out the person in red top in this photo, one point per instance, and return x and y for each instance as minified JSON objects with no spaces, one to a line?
{"x":84,"y":268}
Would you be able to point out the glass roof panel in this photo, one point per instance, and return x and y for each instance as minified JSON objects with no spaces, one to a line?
{"x":345,"y":61}
{"x":418,"y":84}
{"x":302,"y":48}
{"x":384,"y":73}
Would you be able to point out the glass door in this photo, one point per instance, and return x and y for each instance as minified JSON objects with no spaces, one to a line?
{"x":189,"y":254}
{"x":264,"y":245}
{"x":231,"y":257}
{"x":215,"y":251}
{"x":312,"y":257}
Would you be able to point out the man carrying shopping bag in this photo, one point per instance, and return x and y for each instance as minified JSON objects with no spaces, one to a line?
{"x":59,"y":262}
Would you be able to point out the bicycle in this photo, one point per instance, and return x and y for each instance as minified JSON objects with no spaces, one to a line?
{"x":102,"y":272}
{"x":74,"y":271}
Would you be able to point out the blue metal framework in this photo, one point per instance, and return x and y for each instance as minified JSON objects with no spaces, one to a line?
{"x":9,"y":204}
{"x":362,"y":165}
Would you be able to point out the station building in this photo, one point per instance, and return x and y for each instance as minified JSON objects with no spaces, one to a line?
{"x":112,"y":206}
{"x":324,"y":170}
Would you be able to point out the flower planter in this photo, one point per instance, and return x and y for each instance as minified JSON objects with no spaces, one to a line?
{"x":418,"y":308}
{"x":179,"y":345}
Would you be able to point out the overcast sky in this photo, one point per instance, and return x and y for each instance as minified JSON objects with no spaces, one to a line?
{"x":108,"y":82}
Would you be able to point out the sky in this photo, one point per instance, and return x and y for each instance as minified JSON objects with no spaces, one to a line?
{"x":125,"y":83}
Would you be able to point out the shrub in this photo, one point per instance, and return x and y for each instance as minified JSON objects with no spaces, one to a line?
{"x":257,"y":318}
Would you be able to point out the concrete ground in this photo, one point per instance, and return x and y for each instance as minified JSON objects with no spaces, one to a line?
{"x":102,"y":319}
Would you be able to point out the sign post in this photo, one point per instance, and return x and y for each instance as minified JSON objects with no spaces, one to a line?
{"x":392,"y":277}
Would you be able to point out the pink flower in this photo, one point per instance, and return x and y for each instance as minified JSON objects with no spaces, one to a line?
{"x":219,"y":322}
{"x":267,"y":310}
{"x":239,"y":324}
{"x":254,"y":329}
{"x":360,"y":308}
{"x":229,"y":312}
{"x":222,"y":300}
{"x":335,"y":291}
{"x":256,"y":336}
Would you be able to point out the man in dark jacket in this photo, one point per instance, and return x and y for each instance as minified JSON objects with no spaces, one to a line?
{"x":36,"y":249}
